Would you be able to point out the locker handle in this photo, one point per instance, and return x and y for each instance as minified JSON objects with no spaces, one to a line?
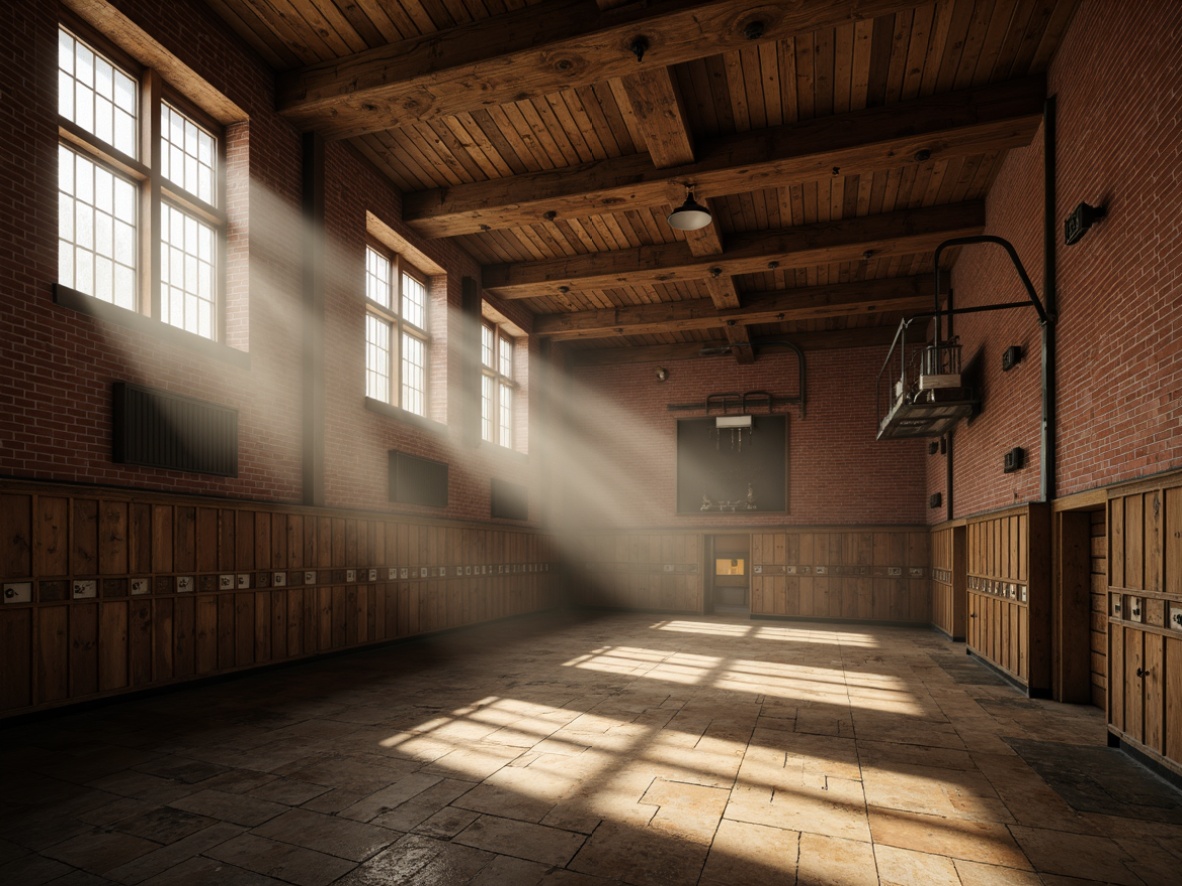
{"x":972,"y":615}
{"x":1141,"y":672}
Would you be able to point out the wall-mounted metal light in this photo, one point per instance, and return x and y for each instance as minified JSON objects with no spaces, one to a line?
{"x":1011,"y":357}
{"x":1081,"y":218}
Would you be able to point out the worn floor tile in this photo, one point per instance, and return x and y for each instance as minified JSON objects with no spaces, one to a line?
{"x":744,"y":854}
{"x":446,"y":823}
{"x":420,"y":860}
{"x":686,"y":811}
{"x":205,"y":871}
{"x":639,"y":855}
{"x":100,"y":851}
{"x":33,"y":869}
{"x":1075,"y":855}
{"x":591,"y":750}
{"x":155,"y":863}
{"x":521,"y":839}
{"x":973,"y":873}
{"x":390,"y":797}
{"x":164,"y":824}
{"x":330,"y":834}
{"x":826,"y":859}
{"x":954,"y":837}
{"x":304,"y":867}
{"x":407,"y":816}
{"x":233,"y":808}
{"x":905,"y":867}
{"x":500,"y":799}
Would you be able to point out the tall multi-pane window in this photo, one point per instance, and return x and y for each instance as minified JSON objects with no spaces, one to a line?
{"x":396,"y":339}
{"x":497,"y":385}
{"x":115,"y":187}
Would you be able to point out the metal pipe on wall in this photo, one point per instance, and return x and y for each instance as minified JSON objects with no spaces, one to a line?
{"x":1049,"y":293}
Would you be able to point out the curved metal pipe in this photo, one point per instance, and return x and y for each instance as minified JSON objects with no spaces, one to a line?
{"x":1043,"y":317}
{"x":756,"y":344}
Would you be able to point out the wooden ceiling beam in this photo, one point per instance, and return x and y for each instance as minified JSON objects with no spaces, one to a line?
{"x":864,"y":337}
{"x":707,"y":240}
{"x":658,"y":109}
{"x":723,"y":293}
{"x":958,"y":124}
{"x":536,"y":51}
{"x":897,"y":294}
{"x":739,"y":338}
{"x":656,"y":103}
{"x":889,"y":235}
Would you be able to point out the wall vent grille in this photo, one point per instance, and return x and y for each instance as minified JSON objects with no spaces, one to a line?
{"x":161,"y":430}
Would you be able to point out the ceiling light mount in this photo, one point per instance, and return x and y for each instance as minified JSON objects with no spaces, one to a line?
{"x":690,"y":215}
{"x":753,"y":30}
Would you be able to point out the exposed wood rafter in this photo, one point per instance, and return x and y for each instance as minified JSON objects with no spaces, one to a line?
{"x":535,"y":51}
{"x":813,"y":341}
{"x":957,"y":124}
{"x":905,"y":232}
{"x":900,"y":294}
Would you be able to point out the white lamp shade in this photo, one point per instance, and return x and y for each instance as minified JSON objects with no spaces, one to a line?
{"x":690,"y":215}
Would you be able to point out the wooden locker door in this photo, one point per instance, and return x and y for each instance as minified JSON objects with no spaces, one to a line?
{"x":1134,"y":689}
{"x":1154,"y":705}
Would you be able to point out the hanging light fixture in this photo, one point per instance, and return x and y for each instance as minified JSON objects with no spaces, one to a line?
{"x":690,"y":215}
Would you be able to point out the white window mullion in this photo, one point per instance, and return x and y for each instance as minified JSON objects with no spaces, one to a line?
{"x":151,"y":245}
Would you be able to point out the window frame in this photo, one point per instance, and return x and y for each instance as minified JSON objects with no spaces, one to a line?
{"x":398,"y":325}
{"x":154,"y":192}
{"x":499,"y":381}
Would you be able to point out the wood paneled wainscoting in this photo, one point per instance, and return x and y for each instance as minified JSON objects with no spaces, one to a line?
{"x":1009,"y":593}
{"x":1145,"y":618}
{"x":855,"y":573}
{"x":107,"y":592}
{"x":657,"y":571}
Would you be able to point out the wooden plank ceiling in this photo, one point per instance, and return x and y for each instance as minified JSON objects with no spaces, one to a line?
{"x":836,"y":143}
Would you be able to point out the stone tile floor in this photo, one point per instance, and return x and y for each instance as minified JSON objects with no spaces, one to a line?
{"x":573,"y":750}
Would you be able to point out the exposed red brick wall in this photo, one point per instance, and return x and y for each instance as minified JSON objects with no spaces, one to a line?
{"x":1011,"y":402}
{"x":1120,"y":288}
{"x":56,"y":365}
{"x":1118,"y":83}
{"x":621,"y":469}
{"x":357,"y":439}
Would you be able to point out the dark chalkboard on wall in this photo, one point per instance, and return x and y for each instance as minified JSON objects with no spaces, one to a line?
{"x":732,"y":470}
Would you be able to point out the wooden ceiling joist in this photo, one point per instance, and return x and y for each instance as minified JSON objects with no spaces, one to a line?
{"x":941,"y":127}
{"x":538,"y":50}
{"x":656,"y":104}
{"x":864,"y":337}
{"x":891,"y":295}
{"x":739,"y":338}
{"x":723,"y":293}
{"x":905,"y":232}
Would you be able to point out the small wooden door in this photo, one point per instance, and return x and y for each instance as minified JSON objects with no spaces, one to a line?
{"x":730,"y":573}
